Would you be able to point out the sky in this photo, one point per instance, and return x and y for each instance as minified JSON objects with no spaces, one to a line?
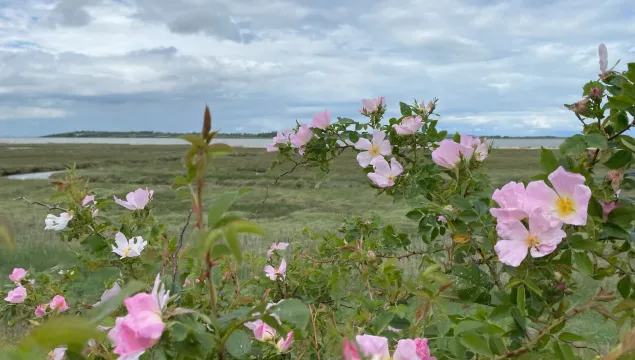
{"x":497,"y":67}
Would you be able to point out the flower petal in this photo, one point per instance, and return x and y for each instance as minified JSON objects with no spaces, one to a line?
{"x":511,"y":252}
{"x":565,"y":182}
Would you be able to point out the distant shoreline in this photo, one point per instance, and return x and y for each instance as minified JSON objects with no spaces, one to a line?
{"x":267,"y":135}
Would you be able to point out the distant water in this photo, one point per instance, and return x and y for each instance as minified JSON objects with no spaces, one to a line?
{"x":32,"y":176}
{"x":252,"y":143}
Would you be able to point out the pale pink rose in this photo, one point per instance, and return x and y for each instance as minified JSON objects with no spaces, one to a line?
{"x":481,"y":150}
{"x":17,"y":275}
{"x":284,"y":345}
{"x":186,"y":283}
{"x":409,"y":125}
{"x":262,"y":331}
{"x":375,"y":347}
{"x":449,"y":153}
{"x":136,"y":200}
{"x":349,"y":351}
{"x":615,"y":177}
{"x":511,"y":199}
{"x":416,"y":349}
{"x":276,"y":247}
{"x":109,"y":293}
{"x":607,"y":207}
{"x":57,"y":223}
{"x":88,"y":199}
{"x":57,"y":353}
{"x":427,"y":109}
{"x":302,"y":136}
{"x":280,"y":138}
{"x":384,"y":175}
{"x":17,"y":295}
{"x":374,"y":150}
{"x":280,"y":272}
{"x":40,"y":310}
{"x":541,"y":239}
{"x":197,"y":281}
{"x":321,"y":120}
{"x":143,"y":326}
{"x":442,"y":219}
{"x":568,"y":201}
{"x":604,"y":58}
{"x":370,"y":106}
{"x":58,"y":303}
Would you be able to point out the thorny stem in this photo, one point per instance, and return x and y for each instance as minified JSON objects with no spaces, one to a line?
{"x":179,"y":246}
{"x":262,"y":203}
{"x":547,"y":329}
{"x":50,"y":207}
{"x":315,"y":333}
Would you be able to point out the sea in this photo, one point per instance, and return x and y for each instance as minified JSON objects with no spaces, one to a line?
{"x":508,"y":143}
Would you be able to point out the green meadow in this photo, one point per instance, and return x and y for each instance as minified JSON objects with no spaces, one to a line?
{"x":295,"y":202}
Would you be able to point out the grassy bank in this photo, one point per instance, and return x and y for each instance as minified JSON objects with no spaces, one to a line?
{"x":292,"y":204}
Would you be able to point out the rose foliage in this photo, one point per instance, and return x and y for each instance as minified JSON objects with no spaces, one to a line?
{"x":493,"y":272}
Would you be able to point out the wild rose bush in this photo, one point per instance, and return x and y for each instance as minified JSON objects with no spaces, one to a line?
{"x":496,"y":269}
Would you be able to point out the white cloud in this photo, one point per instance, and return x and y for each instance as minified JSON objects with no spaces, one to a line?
{"x":31,"y":112}
{"x":138,"y":64}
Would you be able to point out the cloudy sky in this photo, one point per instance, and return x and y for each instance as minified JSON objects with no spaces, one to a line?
{"x":497,"y":66}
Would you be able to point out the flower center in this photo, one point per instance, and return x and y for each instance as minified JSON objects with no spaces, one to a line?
{"x":374,"y":150}
{"x":564,"y":206}
{"x":126,"y":251}
{"x":532,"y":241}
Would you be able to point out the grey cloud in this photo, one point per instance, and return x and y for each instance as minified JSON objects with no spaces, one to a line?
{"x":71,"y":13}
{"x":209,"y":22}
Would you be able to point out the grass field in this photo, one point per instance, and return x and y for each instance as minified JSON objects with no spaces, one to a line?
{"x":293,"y":203}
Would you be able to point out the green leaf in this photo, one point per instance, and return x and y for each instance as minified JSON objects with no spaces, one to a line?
{"x":476,"y":344}
{"x":563,"y":351}
{"x":580,"y":243}
{"x":353,"y":136}
{"x":570,"y":337}
{"x":467,"y":325}
{"x":231,"y":237}
{"x":101,"y":311}
{"x":596,"y":141}
{"x":583,"y":262}
{"x":238,"y":344}
{"x":382,"y":321}
{"x":294,"y":312}
{"x":405,"y":109}
{"x":196,"y":140}
{"x":628,"y":142}
{"x":71,"y":331}
{"x":519,"y":319}
{"x":345,"y":121}
{"x":520,"y":298}
{"x":626,"y":304}
{"x":220,"y":250}
{"x":622,"y":216}
{"x":620,"y":102}
{"x":95,"y":242}
{"x":496,"y":345}
{"x":548,"y":160}
{"x":624,"y":286}
{"x":246,"y":226}
{"x":533,"y":287}
{"x":219,"y":149}
{"x":619,"y":159}
{"x":220,"y":206}
{"x":573,"y":145}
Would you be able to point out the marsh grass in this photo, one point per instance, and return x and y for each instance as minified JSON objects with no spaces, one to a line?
{"x":293,"y":204}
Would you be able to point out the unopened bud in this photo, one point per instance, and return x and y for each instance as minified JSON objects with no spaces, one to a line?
{"x":580,"y":106}
{"x":207,"y":122}
{"x":596,"y":93}
{"x":370,"y":254}
{"x":561,"y":286}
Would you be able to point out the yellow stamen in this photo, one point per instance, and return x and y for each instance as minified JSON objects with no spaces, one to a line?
{"x":126,"y":251}
{"x":374,"y":150}
{"x":532,"y":241}
{"x":564,"y":206}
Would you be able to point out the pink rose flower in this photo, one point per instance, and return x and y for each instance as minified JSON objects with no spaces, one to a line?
{"x":262,"y":331}
{"x":409,"y":125}
{"x":58,"y":303}
{"x":40,"y":310}
{"x":604,"y":58}
{"x":568,"y":201}
{"x":136,"y":200}
{"x":384,"y":175}
{"x":88,"y":199}
{"x":449,"y":153}
{"x":276,"y":247}
{"x":442,"y":219}
{"x":321,"y":120}
{"x":370,"y":106}
{"x":416,"y":349}
{"x":283,"y":345}
{"x":142,"y":328}
{"x":302,"y":136}
{"x":349,"y":351}
{"x":607,"y":207}
{"x":541,"y":239}
{"x":57,"y":353}
{"x":17,"y":295}
{"x":109,"y":293}
{"x":374,"y":150}
{"x":373,"y":346}
{"x":280,"y":138}
{"x":17,"y":275}
{"x":280,"y":272}
{"x":511,"y":199}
